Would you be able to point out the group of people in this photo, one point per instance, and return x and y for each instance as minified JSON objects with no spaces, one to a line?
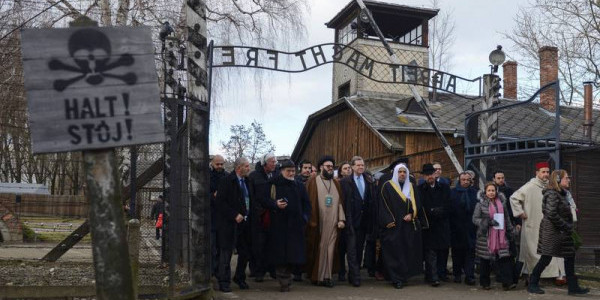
{"x":322,"y":223}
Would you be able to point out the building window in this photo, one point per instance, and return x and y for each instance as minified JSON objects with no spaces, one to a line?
{"x":344,"y":90}
{"x":346,"y":34}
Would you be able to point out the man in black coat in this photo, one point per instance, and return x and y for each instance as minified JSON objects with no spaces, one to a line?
{"x":260,"y":180}
{"x":357,"y":196}
{"x":290,"y":210}
{"x":435,"y":196}
{"x":233,"y":229}
{"x":463,"y":199}
{"x":217,"y":172}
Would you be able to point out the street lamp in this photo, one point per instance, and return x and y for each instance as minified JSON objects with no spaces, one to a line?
{"x":497,"y":57}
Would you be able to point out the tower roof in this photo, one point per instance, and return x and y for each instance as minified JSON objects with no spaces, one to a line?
{"x":403,"y":17}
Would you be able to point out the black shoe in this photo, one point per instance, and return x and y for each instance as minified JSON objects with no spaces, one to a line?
{"x":259,"y":279}
{"x":297,"y":277}
{"x":579,"y":291}
{"x":398,"y":285}
{"x":535,"y":289}
{"x":355,"y":283}
{"x":328,"y":283}
{"x":510,"y":286}
{"x":435,"y":283}
{"x":470,"y":281}
{"x":341,"y":277}
{"x":225,"y":289}
{"x":242,"y":284}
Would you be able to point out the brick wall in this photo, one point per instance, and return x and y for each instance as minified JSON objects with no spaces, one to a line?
{"x":509,"y":71}
{"x":548,"y":73}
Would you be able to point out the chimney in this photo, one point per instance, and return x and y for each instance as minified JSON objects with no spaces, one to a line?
{"x":548,"y":73}
{"x":587,"y":110}
{"x":509,"y":72}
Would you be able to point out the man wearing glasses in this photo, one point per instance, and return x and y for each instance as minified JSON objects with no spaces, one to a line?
{"x":327,"y":218}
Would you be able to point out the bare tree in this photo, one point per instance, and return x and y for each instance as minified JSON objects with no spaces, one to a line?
{"x":573,"y":27}
{"x":250,"y":142}
{"x":441,"y":38}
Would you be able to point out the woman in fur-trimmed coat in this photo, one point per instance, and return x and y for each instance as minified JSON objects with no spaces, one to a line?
{"x":492,"y":237}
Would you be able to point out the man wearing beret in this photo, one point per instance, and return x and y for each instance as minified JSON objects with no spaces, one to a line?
{"x":526,"y":204}
{"x":290,"y":211}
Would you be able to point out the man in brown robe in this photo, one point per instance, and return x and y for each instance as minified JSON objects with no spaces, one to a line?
{"x":327,"y":218}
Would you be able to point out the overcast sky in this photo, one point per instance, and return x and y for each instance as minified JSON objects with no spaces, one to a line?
{"x":286,"y":100}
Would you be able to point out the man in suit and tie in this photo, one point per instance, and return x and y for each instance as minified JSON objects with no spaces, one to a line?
{"x":357,"y":191}
{"x":233,"y":226}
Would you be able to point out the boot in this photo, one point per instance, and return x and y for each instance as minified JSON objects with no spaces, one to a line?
{"x":534,"y":283}
{"x":574,"y":288}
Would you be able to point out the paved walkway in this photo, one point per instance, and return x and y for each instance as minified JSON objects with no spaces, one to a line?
{"x":379,"y":290}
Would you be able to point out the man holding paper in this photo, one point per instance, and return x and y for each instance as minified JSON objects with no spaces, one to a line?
{"x":492,"y":219}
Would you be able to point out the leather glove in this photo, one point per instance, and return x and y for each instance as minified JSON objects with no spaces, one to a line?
{"x":494,"y":223}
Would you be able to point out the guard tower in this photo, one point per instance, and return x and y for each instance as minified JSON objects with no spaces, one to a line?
{"x":406,"y":29}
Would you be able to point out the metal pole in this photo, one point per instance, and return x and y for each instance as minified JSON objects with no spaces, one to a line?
{"x":198,"y":130}
{"x":112,"y":267}
{"x":413,"y":89}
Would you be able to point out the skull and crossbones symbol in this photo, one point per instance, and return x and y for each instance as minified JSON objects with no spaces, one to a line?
{"x":91,"y":52}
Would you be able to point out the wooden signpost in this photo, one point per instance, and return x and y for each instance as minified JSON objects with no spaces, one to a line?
{"x":94,"y":89}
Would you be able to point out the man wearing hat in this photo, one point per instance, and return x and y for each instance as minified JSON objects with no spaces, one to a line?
{"x":290,"y":211}
{"x":327,"y":218}
{"x":435,"y":197}
{"x":526,"y":203}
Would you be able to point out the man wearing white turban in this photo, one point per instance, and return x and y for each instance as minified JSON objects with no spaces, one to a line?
{"x":400,"y":218}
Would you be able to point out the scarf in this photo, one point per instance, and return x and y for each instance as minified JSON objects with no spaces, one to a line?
{"x":496,"y":237}
{"x":405,"y":191}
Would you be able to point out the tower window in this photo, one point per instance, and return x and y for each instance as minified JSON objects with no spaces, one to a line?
{"x":344,"y":90}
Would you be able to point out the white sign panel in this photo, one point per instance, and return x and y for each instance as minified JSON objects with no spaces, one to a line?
{"x":91,"y":88}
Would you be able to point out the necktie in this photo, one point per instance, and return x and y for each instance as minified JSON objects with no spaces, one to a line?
{"x":245,"y":193}
{"x":361,"y":186}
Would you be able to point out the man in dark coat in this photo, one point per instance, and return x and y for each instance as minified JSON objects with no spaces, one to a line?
{"x":290,"y":211}
{"x":233,"y":230}
{"x":463,"y":199}
{"x":260,"y":181}
{"x":435,"y":196}
{"x":217,"y":172}
{"x":357,"y":196}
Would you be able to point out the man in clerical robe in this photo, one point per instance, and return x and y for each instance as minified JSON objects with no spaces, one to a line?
{"x":326,"y":220}
{"x":400,"y":218}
